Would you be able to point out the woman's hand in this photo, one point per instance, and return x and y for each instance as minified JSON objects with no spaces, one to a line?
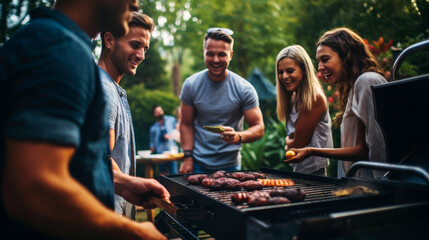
{"x":301,"y":155}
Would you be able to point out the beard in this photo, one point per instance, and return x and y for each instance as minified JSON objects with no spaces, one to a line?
{"x":160,"y":117}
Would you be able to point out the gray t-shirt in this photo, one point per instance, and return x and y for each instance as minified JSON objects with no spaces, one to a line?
{"x":118,"y":115}
{"x":217,"y":103}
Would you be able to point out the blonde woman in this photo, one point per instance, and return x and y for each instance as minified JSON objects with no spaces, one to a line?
{"x":303,"y":105}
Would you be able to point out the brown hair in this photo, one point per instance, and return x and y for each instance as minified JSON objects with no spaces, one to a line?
{"x":138,"y":20}
{"x":219,"y":35}
{"x":356,"y":57}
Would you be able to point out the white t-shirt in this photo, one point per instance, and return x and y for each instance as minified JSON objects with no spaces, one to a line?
{"x":360,"y":105}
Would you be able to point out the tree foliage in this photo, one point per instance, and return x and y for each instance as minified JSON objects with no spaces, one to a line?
{"x":141,"y":101}
{"x":14,"y":13}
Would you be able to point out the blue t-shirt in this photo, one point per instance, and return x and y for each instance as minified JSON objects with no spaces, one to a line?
{"x":157,"y":132}
{"x":217,"y":103}
{"x":51,"y":93}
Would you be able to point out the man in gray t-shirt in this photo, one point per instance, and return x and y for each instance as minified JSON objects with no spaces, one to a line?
{"x":121,"y":54}
{"x":217,"y":97}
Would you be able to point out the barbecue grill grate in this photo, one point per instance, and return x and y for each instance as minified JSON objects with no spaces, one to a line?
{"x":214,"y":211}
{"x":316,"y":191}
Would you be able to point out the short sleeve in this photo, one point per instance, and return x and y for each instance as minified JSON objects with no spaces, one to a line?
{"x":250,"y":98}
{"x":363,"y":103}
{"x":50,"y":93}
{"x":186,"y":93}
{"x":111,"y":98}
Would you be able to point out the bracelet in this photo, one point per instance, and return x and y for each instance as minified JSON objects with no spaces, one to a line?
{"x":187,"y":153}
{"x":239,"y":140}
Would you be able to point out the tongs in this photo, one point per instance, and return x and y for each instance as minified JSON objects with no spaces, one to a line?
{"x":164,"y":205}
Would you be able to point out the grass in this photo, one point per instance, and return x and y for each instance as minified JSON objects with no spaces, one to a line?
{"x":141,"y":215}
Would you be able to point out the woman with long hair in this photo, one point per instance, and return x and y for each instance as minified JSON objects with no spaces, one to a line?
{"x":347,"y":62}
{"x":303,"y":105}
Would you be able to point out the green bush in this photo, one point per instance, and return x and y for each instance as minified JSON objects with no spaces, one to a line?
{"x":267,"y":152}
{"x":141,"y":102}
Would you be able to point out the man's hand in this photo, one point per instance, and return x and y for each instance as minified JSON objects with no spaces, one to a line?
{"x":230,"y":135}
{"x":135,"y":189}
{"x":187,"y":166}
{"x":149,"y":231}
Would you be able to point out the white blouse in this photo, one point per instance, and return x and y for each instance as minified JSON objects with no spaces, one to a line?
{"x":360,"y":105}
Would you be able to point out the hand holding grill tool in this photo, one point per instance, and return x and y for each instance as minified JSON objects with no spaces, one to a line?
{"x":164,"y":205}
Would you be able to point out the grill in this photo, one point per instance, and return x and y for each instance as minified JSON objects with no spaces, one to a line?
{"x":399,"y":211}
{"x":203,"y":211}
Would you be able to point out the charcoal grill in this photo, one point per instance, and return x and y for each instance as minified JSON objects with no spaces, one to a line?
{"x":399,"y":211}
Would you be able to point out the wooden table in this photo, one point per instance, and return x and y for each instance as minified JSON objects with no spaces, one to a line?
{"x":149,"y":161}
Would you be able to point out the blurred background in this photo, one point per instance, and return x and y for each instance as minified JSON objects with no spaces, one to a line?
{"x":261,"y":29}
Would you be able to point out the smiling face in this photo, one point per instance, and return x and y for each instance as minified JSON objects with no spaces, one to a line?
{"x":129,"y":51}
{"x":290,"y":74}
{"x":330,"y":64}
{"x":217,"y":55}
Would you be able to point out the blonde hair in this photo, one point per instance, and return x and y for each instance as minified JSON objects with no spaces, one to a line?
{"x":310,"y":85}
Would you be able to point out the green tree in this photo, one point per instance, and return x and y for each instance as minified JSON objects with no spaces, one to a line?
{"x":141,"y":101}
{"x":392,"y":19}
{"x":14,"y":13}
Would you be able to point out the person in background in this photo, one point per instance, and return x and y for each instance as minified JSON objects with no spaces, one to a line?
{"x":121,"y":54}
{"x":56,"y":179}
{"x":216,"y":96}
{"x":162,"y":140}
{"x":346,"y":61}
{"x":303,"y":104}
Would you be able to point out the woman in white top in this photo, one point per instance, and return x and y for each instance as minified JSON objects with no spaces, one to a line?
{"x":346,"y":61}
{"x":302,"y":103}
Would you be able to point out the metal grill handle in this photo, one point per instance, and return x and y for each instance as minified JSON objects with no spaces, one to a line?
{"x":388,"y":167}
{"x":413,"y":48}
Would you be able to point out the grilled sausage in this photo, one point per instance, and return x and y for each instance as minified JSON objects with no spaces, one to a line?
{"x":277,"y":200}
{"x":258,"y":198}
{"x":257,"y":175}
{"x":257,"y":201}
{"x":232,"y":184}
{"x":252,"y":185}
{"x":293,"y":194}
{"x":218,"y":174}
{"x":225,"y":184}
{"x":207,"y":182}
{"x":277,"y":182}
{"x":239,"y":198}
{"x":236,"y":175}
{"x":196,"y":178}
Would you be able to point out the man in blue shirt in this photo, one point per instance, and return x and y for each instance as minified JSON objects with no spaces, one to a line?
{"x":56,"y":179}
{"x":120,"y":55}
{"x":162,"y":139}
